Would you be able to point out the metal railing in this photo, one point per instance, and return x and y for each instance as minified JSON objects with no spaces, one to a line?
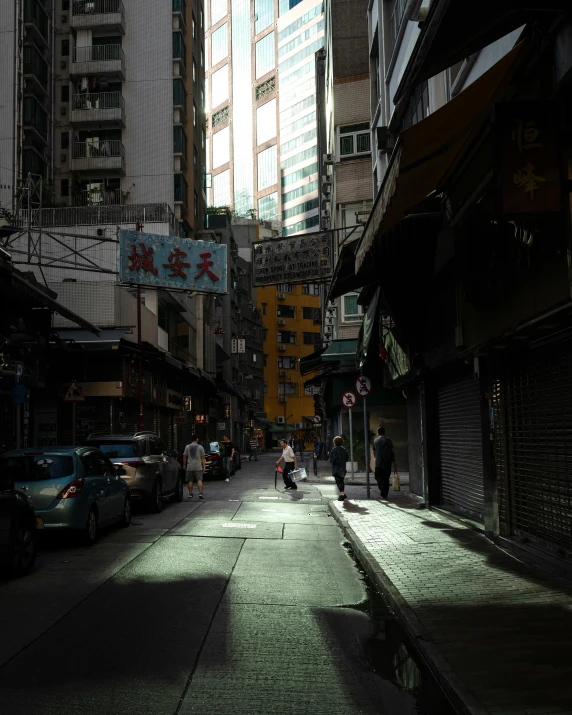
{"x":98,"y":100}
{"x":98,"y":149}
{"x":98,"y":53}
{"x":102,"y":215}
{"x":96,"y":7}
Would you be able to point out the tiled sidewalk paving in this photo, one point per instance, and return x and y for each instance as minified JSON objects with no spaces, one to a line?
{"x":496,"y":632}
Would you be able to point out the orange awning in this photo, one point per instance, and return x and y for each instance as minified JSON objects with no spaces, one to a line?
{"x":428,"y":150}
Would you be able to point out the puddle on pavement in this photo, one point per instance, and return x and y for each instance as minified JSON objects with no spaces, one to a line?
{"x":392,"y":655}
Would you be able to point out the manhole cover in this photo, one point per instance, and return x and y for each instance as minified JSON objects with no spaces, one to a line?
{"x":237,"y":525}
{"x":269,"y":497}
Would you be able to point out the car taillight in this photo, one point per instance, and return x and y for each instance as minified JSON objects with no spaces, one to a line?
{"x":133,"y":464}
{"x":72,"y":490}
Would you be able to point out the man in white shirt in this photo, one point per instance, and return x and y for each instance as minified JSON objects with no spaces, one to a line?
{"x":194,"y":462}
{"x":289,"y":458}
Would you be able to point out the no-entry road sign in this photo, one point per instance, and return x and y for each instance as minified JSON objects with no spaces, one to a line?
{"x":349,"y":400}
{"x":363,"y":386}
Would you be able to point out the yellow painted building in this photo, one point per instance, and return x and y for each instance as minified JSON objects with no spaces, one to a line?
{"x":291,"y":318}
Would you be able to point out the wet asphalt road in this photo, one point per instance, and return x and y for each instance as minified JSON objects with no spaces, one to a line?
{"x":242,"y":603}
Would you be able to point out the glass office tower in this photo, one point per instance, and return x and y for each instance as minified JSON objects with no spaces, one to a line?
{"x":261,"y":109}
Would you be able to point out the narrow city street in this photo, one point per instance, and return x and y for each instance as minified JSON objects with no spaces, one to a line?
{"x":246,"y":602}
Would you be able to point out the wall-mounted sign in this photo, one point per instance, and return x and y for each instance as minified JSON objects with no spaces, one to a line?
{"x":529,"y":166}
{"x":202,"y":419}
{"x":187,"y":403}
{"x":171,"y":262}
{"x":227,"y":412}
{"x":234,"y":345}
{"x":297,"y":259}
{"x":241,"y":345}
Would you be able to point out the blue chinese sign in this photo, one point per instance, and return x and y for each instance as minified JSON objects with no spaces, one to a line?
{"x":171,"y":262}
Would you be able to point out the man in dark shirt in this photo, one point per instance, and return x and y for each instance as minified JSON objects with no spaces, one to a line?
{"x":227,"y":456}
{"x":384,"y":458}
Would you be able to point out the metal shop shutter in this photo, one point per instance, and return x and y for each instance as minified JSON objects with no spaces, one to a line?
{"x":539,"y":445}
{"x":460,"y":443}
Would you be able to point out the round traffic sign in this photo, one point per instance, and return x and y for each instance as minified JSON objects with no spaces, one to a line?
{"x":316,"y":419}
{"x":349,"y":399}
{"x":363,"y":386}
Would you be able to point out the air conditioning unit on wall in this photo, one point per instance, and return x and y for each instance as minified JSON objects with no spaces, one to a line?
{"x":280,"y":420}
{"x":299,"y":425}
{"x":281,"y":321}
{"x":282,"y":348}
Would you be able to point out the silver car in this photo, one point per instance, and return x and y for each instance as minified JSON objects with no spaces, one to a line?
{"x":150,"y":470}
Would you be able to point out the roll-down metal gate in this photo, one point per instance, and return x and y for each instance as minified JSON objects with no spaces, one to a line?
{"x":460,"y":443}
{"x":538,"y":404}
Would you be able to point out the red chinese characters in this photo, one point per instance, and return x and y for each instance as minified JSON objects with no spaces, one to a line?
{"x":142,"y":261}
{"x":176,"y":263}
{"x":205,"y":267}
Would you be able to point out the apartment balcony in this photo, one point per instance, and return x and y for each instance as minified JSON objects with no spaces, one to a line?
{"x":101,"y":108}
{"x":37,"y":23}
{"x":108,"y":60}
{"x":102,"y":157}
{"x":181,"y":192}
{"x":107,"y":15}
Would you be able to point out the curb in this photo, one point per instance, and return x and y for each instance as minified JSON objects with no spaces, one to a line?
{"x":462,"y":699}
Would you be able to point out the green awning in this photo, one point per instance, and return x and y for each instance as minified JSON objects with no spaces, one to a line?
{"x":340,"y":350}
{"x":311,"y":362}
{"x":366,"y":333}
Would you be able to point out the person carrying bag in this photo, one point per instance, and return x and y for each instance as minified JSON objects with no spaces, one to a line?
{"x":289,"y":457}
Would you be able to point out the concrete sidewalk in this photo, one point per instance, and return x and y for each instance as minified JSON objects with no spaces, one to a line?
{"x":496,"y":632}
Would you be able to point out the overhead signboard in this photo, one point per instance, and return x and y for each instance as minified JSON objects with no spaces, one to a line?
{"x":155,"y":261}
{"x":296,"y":259}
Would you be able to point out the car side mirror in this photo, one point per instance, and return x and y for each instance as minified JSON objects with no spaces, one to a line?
{"x":120,"y":470}
{"x":6,"y":484}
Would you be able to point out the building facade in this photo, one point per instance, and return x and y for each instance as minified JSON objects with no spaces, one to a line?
{"x":472,"y":210}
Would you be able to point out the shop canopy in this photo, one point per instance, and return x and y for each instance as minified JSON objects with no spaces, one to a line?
{"x":456,"y":29}
{"x":426,"y":153}
{"x":322,"y":359}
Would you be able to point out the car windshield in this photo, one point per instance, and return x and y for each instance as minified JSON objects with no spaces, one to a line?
{"x":121,"y":448}
{"x":37,"y":467}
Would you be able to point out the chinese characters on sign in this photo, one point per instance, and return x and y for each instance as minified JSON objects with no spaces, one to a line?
{"x":171,"y":262}
{"x":297,"y":259}
{"x":528,"y":157}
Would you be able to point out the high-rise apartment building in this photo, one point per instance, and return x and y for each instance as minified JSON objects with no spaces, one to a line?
{"x":262,"y":137}
{"x":105,"y":101}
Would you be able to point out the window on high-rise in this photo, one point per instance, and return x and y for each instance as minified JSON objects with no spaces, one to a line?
{"x":268,"y":207}
{"x":265,"y":59}
{"x":285,"y":5}
{"x":309,"y":313}
{"x":194,"y":71}
{"x":219,"y":44}
{"x":310,"y":289}
{"x":286,"y":336}
{"x":221,"y":189}
{"x":351,"y":310}
{"x":284,"y":288}
{"x":221,"y":147}
{"x":312,"y":338}
{"x":355,"y":139}
{"x":219,"y":8}
{"x":219,"y":86}
{"x":263,"y":14}
{"x":267,"y":169}
{"x":266,"y":122}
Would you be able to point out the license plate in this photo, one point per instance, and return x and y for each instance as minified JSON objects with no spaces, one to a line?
{"x":39,"y":523}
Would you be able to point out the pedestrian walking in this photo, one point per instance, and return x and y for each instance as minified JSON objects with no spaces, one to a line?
{"x":253,"y":448}
{"x":384,"y":458}
{"x":339,"y":457}
{"x":289,"y":457}
{"x":227,"y":456}
{"x":301,"y":448}
{"x":194,"y":463}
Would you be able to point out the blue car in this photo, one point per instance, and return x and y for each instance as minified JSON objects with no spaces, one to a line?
{"x":71,"y":488}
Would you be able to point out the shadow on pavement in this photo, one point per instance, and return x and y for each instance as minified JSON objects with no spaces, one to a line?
{"x":131,"y":645}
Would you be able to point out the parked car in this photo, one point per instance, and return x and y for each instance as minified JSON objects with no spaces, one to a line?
{"x":150,"y":470}
{"x":73,"y":488}
{"x":17,"y":528}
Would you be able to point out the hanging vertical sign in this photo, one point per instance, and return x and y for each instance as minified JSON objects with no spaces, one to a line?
{"x":529,"y":167}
